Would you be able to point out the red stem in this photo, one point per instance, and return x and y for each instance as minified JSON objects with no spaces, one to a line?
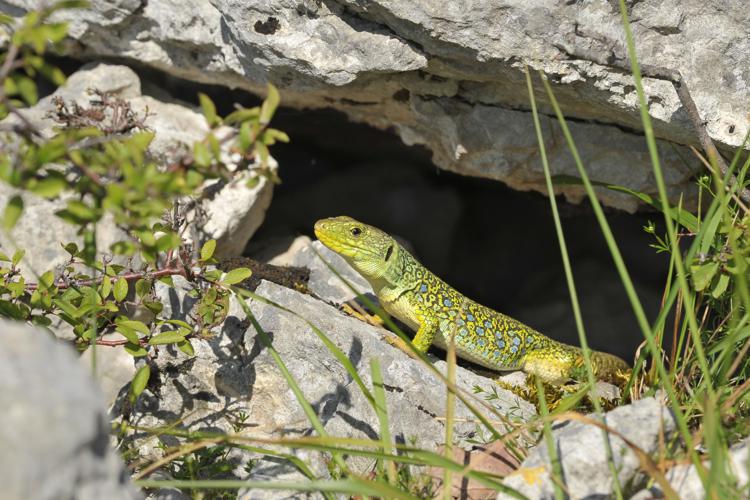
{"x":169,"y":271}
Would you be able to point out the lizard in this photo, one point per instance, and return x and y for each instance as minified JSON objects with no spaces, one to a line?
{"x":410,"y":292}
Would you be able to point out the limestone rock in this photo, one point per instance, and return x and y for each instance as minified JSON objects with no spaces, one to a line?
{"x":323,"y":281}
{"x":451,"y":77}
{"x":686,"y":482}
{"x":54,"y":429}
{"x":233,"y":385}
{"x":582,"y":453}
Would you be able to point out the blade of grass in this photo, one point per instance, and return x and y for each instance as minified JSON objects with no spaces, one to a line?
{"x":557,"y":472}
{"x":353,"y":447}
{"x":337,"y":353}
{"x":661,"y":186}
{"x":635,"y":302}
{"x":351,"y":486}
{"x":381,"y":409}
{"x":298,"y":394}
{"x":450,"y":403}
{"x":570,"y":281}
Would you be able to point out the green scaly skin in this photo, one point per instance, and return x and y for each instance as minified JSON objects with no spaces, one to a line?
{"x":411,"y":293}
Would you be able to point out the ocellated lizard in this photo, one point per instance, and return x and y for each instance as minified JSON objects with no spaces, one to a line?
{"x":414,"y":295}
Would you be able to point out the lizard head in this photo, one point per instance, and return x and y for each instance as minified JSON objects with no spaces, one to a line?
{"x":368,"y":249}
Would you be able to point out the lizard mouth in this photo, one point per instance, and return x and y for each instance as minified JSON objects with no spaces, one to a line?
{"x":330,"y":239}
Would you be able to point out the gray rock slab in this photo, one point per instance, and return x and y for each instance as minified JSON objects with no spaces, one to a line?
{"x":54,"y":428}
{"x":233,"y":385}
{"x":686,"y":482}
{"x":323,"y":281}
{"x":450,"y":76}
{"x":580,"y":448}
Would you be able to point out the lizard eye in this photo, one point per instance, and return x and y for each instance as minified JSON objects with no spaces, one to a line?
{"x":356,"y":231}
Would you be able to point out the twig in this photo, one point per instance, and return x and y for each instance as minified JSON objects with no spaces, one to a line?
{"x":678,"y":82}
{"x":169,"y":271}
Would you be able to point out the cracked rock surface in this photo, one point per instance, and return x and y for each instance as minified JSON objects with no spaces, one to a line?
{"x":450,"y":75}
{"x":583,"y":457}
{"x":232,"y":384}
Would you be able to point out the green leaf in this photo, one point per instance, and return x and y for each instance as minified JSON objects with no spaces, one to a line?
{"x":201,"y":155}
{"x":135,"y":350}
{"x":10,"y":310}
{"x":136,"y":325}
{"x":13,"y":211}
{"x":71,"y":248}
{"x":272,"y":135}
{"x":169,"y":337}
{"x":167,"y":280}
{"x":703,"y":274}
{"x":245,"y":138}
{"x":49,"y":187}
{"x":153,"y":306}
{"x":721,"y":286}
{"x":212,"y":275}
{"x":236,"y":275}
{"x":77,"y":212}
{"x":41,"y":320}
{"x":269,"y":105}
{"x":186,"y":347}
{"x":66,"y":307}
{"x":140,"y":380}
{"x":209,"y":297}
{"x":106,"y":287}
{"x":46,"y":280}
{"x":129,"y":334}
{"x":17,"y":256}
{"x":209,"y":109}
{"x":26,"y":88}
{"x":207,"y":250}
{"x":242,"y":115}
{"x":681,"y":216}
{"x":142,"y":287}
{"x":121,"y":289}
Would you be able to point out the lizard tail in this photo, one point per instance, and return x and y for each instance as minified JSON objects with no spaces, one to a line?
{"x":558,"y":363}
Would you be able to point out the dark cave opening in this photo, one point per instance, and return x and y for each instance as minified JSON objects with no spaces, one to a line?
{"x":494,"y":244}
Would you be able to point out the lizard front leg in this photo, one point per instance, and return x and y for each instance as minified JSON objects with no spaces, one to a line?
{"x":421,"y":341}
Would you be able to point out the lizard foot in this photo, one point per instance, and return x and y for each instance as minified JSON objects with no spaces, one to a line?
{"x":401,"y":345}
{"x":353,"y":309}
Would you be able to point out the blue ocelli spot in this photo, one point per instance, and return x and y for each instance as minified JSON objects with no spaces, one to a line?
{"x":517,"y":340}
{"x":513,"y":349}
{"x":469,"y":317}
{"x":500,"y":342}
{"x":423,"y":288}
{"x":480,"y":330}
{"x":487,"y":323}
{"x":447,"y":303}
{"x":497,"y":353}
{"x":480,"y":342}
{"x":460,"y":322}
{"x":529,"y":340}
